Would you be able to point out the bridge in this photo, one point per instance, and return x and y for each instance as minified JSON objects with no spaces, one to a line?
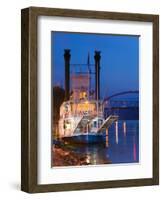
{"x":122,"y":93}
{"x":125,"y":108}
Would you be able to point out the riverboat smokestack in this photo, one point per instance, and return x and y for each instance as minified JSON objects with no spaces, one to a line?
{"x":67,"y":57}
{"x":97,"y":58}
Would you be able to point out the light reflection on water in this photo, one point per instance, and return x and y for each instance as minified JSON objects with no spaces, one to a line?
{"x":121,"y":145}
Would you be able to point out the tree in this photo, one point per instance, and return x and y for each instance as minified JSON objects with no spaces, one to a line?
{"x":58,"y":98}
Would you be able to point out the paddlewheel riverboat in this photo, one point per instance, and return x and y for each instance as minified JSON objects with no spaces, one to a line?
{"x":82,"y":113}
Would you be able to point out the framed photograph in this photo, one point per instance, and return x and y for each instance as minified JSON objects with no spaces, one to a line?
{"x":90,"y":99}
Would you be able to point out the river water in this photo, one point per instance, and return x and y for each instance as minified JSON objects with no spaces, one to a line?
{"x":121,"y":145}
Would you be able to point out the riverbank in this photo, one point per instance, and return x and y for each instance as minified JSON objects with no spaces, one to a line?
{"x":64,"y":157}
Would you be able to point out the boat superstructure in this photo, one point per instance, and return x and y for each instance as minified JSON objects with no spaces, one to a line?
{"x":83,"y":118}
{"x":82,"y":113}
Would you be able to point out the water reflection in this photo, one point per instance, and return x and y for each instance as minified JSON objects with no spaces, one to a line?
{"x":121,"y":145}
{"x":107,"y":138}
{"x":134,"y":149}
{"x":116,"y":132}
{"x":124,"y":128}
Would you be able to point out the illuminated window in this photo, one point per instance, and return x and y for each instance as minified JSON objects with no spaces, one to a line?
{"x":83,"y":95}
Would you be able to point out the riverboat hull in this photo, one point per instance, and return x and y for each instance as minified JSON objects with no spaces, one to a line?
{"x":85,"y":139}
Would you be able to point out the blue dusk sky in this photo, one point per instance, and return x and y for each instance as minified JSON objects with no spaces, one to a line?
{"x":119,"y":58}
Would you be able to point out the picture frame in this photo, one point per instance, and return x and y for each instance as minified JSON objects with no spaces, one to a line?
{"x":29,"y":98}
